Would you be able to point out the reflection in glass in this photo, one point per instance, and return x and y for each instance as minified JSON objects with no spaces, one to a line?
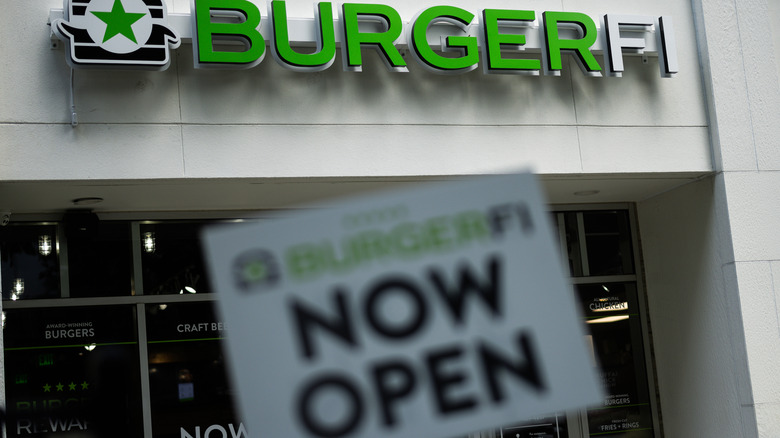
{"x":18,"y":289}
{"x":608,"y":240}
{"x":611,"y":311}
{"x":72,"y":372}
{"x":187,"y":370}
{"x":567,"y":222}
{"x":148,"y":242}
{"x":100,"y":258}
{"x":27,"y":271}
{"x":172,"y":259}
{"x":44,"y":245}
{"x":553,"y":426}
{"x":603,"y":236}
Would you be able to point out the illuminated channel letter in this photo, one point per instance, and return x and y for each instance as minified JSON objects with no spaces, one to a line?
{"x":667,"y":48}
{"x":325,"y":52}
{"x":616,"y":43}
{"x":384,"y":41}
{"x":580,"y":48}
{"x":465,"y":45}
{"x":228,"y":21}
{"x":495,"y":41}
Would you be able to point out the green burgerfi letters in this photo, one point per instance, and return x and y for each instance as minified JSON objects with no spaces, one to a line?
{"x":226,"y":33}
{"x":325,"y":53}
{"x":215,"y":21}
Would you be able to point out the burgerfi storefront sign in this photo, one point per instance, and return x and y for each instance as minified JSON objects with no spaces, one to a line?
{"x":442,"y":39}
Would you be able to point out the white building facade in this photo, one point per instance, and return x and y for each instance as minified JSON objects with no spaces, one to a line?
{"x":691,"y":163}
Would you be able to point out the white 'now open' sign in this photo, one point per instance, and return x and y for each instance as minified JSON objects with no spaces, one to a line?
{"x":433,"y":312}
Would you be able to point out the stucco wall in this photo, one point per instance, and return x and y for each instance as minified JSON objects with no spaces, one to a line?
{"x":754,"y":205}
{"x":741,"y":76}
{"x":774,"y":18}
{"x":693,"y":303}
{"x":267,"y":121}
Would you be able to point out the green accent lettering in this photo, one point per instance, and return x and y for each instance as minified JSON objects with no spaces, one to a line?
{"x":581,"y":47}
{"x":244,"y":31}
{"x":382,"y":41}
{"x":467,"y":45}
{"x":404,"y":241}
{"x":325,"y":53}
{"x":303,"y":261}
{"x":494,"y":63}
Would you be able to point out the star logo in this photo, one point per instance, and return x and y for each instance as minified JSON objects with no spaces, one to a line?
{"x":47,"y":388}
{"x":60,"y":387}
{"x":84,"y":385}
{"x":72,"y":386}
{"x":117,"y":33}
{"x":118,"y":22}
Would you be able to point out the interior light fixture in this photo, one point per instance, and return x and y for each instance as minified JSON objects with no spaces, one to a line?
{"x":18,"y":289}
{"x":587,"y":192}
{"x":149,"y":242}
{"x":87,"y":201}
{"x":44,"y":245}
{"x":90,"y":347}
{"x":608,"y":319}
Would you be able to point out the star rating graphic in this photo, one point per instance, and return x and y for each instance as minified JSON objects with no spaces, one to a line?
{"x":60,"y":387}
{"x":118,"y":22}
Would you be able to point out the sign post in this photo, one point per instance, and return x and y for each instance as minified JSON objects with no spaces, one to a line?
{"x":434,"y":312}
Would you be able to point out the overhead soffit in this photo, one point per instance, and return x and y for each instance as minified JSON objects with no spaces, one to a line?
{"x":28,"y":200}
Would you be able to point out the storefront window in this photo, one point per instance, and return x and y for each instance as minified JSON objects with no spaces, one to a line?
{"x":172,"y":259}
{"x":187,"y":376}
{"x":553,"y":426}
{"x":29,"y":262}
{"x":100,"y":258}
{"x":596,"y":243}
{"x":608,"y":239}
{"x":611,"y":311}
{"x":76,"y":371}
{"x":569,"y":235}
{"x":72,"y":372}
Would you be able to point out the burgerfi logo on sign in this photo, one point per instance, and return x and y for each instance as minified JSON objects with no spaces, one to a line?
{"x":122,"y":33}
{"x":442,"y":39}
